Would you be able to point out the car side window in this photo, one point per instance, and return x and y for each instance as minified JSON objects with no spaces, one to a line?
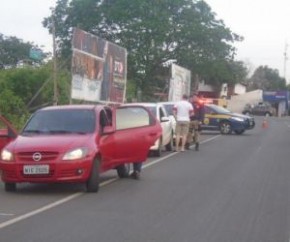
{"x":132,"y":117}
{"x":161,"y":113}
{"x":105,"y":118}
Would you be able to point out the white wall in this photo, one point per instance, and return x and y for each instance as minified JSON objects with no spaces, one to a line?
{"x":281,"y":108}
{"x":237,"y":103}
{"x":204,"y":87}
{"x":239,"y":89}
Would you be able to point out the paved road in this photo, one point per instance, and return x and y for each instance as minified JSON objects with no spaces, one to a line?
{"x":235,"y":189}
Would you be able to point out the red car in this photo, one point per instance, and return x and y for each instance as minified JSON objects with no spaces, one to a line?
{"x":75,"y":143}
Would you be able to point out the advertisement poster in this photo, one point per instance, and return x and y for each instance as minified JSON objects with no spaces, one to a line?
{"x":179,"y":83}
{"x":99,"y":69}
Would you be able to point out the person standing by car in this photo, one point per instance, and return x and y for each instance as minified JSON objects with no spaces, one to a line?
{"x":182,"y":111}
{"x":137,"y":166}
{"x":195,"y":122}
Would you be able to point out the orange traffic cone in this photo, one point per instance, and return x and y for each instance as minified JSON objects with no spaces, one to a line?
{"x":265,"y":123}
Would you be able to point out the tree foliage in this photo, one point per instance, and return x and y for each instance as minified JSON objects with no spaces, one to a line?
{"x":13,"y":51}
{"x":153,"y":32}
{"x":13,"y":108}
{"x":23,"y":90}
{"x":267,"y":79}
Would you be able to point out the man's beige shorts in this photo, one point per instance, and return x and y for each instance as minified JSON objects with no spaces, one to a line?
{"x":182,"y":128}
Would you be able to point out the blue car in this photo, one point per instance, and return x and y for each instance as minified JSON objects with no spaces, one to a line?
{"x":219,"y":118}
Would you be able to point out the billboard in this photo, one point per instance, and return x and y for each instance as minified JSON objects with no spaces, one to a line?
{"x":99,"y":69}
{"x":179,"y":83}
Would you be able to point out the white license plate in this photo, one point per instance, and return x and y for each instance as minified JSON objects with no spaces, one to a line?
{"x":35,"y":169}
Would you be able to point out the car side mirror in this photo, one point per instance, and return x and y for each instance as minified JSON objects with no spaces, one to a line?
{"x":108,"y":130}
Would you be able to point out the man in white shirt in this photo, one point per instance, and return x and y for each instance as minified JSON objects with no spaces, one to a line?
{"x":182,"y":111}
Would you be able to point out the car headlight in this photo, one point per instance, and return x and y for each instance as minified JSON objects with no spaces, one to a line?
{"x":6,"y":155}
{"x":78,"y":153}
{"x":238,"y":119}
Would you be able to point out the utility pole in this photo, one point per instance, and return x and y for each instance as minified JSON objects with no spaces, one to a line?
{"x":55,"y":95}
{"x":285,"y":62}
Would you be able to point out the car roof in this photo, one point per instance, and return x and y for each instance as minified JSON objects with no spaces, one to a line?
{"x":168,"y":102}
{"x":78,"y":106}
{"x":146,"y":104}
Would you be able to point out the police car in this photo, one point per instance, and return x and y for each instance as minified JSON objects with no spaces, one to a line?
{"x":219,"y":118}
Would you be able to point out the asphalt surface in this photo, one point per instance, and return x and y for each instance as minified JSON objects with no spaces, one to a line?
{"x":235,"y":189}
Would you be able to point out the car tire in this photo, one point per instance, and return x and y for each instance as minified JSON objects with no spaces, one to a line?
{"x":267,"y":114}
{"x":123,"y":170}
{"x":10,"y":187}
{"x":158,"y":152}
{"x":169,"y":146}
{"x":92,"y":183}
{"x":225,"y":127}
{"x":239,"y":131}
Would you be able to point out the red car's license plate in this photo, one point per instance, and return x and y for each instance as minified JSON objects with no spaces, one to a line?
{"x":35,"y":169}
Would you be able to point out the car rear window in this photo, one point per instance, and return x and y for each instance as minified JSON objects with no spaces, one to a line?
{"x":218,"y":109}
{"x":132,"y":117}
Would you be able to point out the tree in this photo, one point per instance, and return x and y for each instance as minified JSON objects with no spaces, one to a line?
{"x":13,"y":108}
{"x":23,"y":90}
{"x":13,"y":51}
{"x":153,"y":32}
{"x":230,"y":72}
{"x":266,"y":79}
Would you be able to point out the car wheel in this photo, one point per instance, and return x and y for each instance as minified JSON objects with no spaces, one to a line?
{"x":169,"y":146}
{"x":247,"y":113}
{"x":239,"y":131}
{"x":267,"y":114}
{"x":123,"y":170}
{"x":158,"y":152}
{"x":10,"y":187}
{"x":92,"y":183}
{"x":225,"y":127}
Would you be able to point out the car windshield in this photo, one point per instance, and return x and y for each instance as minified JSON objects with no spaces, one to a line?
{"x":61,"y":121}
{"x":219,"y":109}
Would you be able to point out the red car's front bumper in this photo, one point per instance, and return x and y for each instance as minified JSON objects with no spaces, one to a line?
{"x":64,"y":171}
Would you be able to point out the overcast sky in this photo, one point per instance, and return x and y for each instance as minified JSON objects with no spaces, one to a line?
{"x":263,"y":23}
{"x":265,"y":26}
{"x":22,"y":18}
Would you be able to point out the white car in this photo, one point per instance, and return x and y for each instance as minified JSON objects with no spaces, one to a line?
{"x":166,"y":140}
{"x":169,"y":109}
